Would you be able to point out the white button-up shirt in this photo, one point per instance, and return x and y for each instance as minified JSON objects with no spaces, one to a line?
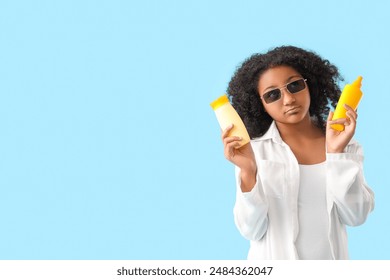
{"x":268,"y":214}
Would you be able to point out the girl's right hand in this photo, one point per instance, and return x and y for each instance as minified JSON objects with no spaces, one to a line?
{"x":242,"y":157}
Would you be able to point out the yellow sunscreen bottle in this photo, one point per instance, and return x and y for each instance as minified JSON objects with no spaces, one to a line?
{"x":351,"y":96}
{"x":226,"y":115}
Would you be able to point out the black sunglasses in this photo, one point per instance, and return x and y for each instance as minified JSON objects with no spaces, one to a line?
{"x":276,"y":94}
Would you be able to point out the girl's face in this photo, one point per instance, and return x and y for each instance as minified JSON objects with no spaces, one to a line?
{"x":284,"y":94}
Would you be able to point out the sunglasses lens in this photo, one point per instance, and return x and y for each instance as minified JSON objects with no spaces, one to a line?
{"x":272,"y":96}
{"x":296,"y":86}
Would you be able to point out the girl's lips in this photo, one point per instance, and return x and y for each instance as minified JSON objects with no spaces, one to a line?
{"x":292,"y":110}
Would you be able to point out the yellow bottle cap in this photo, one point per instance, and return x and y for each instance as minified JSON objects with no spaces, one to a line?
{"x":219,"y":102}
{"x":358,"y":82}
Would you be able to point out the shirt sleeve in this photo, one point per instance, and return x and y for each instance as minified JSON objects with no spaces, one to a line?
{"x":250,"y":210}
{"x":347,"y":186}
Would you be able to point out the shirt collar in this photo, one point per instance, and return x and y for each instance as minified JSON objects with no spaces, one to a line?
{"x":272,"y":133}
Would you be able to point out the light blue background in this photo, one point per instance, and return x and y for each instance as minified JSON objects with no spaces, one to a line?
{"x":109,"y":148}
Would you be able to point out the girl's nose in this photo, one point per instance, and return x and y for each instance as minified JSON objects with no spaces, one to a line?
{"x":288,"y":98}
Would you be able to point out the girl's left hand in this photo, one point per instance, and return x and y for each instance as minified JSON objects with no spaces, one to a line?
{"x":336,"y":140}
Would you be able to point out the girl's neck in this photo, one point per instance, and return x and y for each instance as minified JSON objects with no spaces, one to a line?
{"x":299,"y":131}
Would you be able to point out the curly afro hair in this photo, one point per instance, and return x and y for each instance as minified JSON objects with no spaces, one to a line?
{"x":322,"y":80}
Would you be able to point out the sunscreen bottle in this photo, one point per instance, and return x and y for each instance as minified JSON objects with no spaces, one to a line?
{"x":351,"y":96}
{"x":226,"y":115}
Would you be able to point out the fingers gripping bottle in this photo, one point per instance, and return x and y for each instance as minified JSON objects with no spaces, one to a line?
{"x":351,"y":96}
{"x":226,"y":115}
